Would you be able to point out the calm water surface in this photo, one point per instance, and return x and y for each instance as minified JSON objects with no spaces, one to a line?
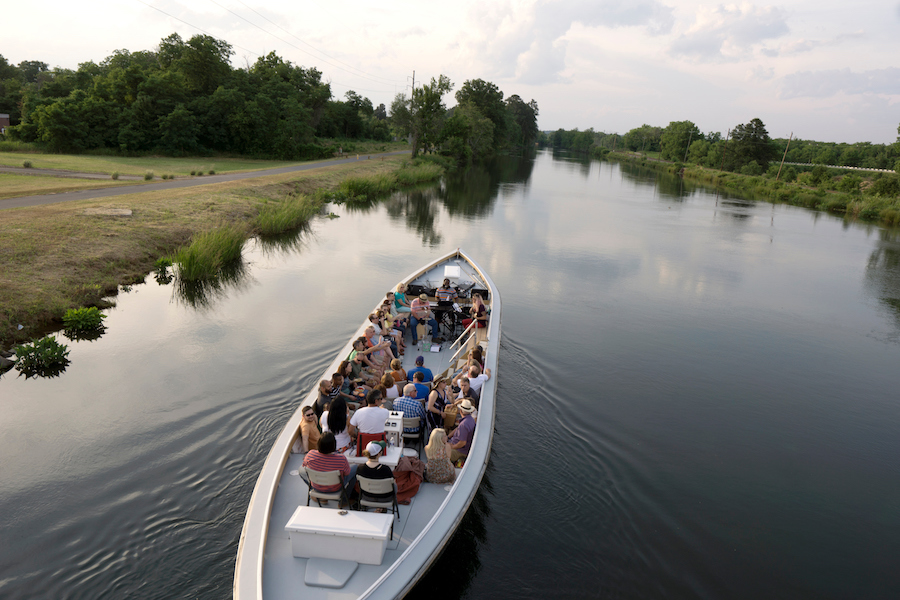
{"x":698,"y":399}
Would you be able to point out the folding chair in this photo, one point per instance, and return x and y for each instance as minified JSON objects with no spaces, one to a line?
{"x":378,"y":486}
{"x":324,"y":478}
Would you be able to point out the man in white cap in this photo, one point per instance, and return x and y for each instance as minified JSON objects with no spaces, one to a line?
{"x":461,"y":440}
{"x":372,"y":469}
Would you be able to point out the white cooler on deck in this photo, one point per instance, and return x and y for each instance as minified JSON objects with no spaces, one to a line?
{"x":326,"y":533}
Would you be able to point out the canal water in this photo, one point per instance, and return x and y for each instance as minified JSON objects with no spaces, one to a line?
{"x":698,"y":398}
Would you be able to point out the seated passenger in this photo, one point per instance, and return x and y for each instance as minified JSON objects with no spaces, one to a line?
{"x":401,"y":304}
{"x":437,"y":401}
{"x":392,"y":391}
{"x":478,"y":311}
{"x":466,"y":391}
{"x":369,"y":421}
{"x":361,"y":353}
{"x":325,"y":459}
{"x":461,"y":440}
{"x":421,"y":313}
{"x":398,"y":373}
{"x":372,"y":469}
{"x":446,"y":295}
{"x":308,"y":437}
{"x":372,"y":417}
{"x":420,"y":366}
{"x":336,"y":421}
{"x":410,"y":406}
{"x":324,"y":397}
{"x":477,"y":378}
{"x":422,"y":390}
{"x":438,"y":451}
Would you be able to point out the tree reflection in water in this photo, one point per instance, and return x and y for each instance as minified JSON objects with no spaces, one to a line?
{"x":452,"y":573}
{"x":203,"y":294}
{"x":883,"y":272}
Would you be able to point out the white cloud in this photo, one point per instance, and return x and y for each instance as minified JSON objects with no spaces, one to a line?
{"x":823,"y":84}
{"x":729,"y":33}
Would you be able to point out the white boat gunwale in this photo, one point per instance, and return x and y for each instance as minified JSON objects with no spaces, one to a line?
{"x":408,"y":568}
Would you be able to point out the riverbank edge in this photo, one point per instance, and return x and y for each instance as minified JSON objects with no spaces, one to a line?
{"x":71,"y":254}
{"x":863,"y":207}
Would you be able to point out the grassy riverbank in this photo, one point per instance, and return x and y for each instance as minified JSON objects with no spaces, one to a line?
{"x":70,"y":254}
{"x":840,"y":192}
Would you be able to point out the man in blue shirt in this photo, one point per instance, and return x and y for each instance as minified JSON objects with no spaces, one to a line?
{"x":410,"y":406}
{"x":422,"y":390}
{"x":420,"y":362}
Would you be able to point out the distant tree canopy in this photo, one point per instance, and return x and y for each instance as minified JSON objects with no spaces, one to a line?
{"x":481,"y":124}
{"x":748,"y":147}
{"x":183,"y":97}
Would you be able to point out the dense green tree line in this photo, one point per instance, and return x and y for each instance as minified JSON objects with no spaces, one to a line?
{"x":481,"y":124}
{"x":185,"y":98}
{"x":182,"y":98}
{"x":748,"y":147}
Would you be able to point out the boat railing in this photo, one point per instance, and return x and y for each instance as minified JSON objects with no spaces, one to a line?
{"x":461,"y":336}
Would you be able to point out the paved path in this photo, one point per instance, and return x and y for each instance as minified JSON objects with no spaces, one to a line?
{"x":23,"y":201}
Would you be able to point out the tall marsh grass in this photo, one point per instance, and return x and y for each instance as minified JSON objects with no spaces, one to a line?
{"x":278,"y":216}
{"x":373,"y":186}
{"x":210,"y":251}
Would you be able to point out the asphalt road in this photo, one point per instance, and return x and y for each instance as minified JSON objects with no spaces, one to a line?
{"x":23,"y":201}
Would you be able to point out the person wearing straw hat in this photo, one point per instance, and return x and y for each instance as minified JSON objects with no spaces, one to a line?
{"x":421,"y":313}
{"x":461,"y":440}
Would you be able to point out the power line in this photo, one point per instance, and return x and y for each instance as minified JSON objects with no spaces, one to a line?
{"x":192,"y":25}
{"x":386,"y":79}
{"x":290,"y":44}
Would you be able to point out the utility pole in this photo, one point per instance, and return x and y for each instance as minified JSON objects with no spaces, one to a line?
{"x":784,"y":156}
{"x":688,"y":146}
{"x":725,"y":150}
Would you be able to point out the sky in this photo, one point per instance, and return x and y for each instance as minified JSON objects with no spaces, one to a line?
{"x":821,"y":69}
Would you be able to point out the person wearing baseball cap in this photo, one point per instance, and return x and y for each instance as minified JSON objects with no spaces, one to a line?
{"x":372,"y":469}
{"x":420,"y":368}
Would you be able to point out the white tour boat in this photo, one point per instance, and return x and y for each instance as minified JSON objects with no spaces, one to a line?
{"x":290,"y":550}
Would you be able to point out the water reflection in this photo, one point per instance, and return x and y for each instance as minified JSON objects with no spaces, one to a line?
{"x":289,"y":242}
{"x":452,"y":573}
{"x":419,"y":208}
{"x":883,"y":271}
{"x":472,"y":192}
{"x":203,"y":294}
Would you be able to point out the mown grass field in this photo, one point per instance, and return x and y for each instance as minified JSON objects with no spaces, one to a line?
{"x":137,"y":166}
{"x":57,"y":257}
{"x":13,"y":186}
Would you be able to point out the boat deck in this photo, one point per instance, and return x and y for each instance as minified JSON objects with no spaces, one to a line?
{"x":283,"y":571}
{"x":266,"y":566}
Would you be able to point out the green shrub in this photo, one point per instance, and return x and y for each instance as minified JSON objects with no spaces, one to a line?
{"x":83,"y":319}
{"x":27,"y":164}
{"x":209,"y":252}
{"x":752,"y":168}
{"x":115,"y":175}
{"x":818,"y":174}
{"x":887,"y":185}
{"x":789,"y":174}
{"x":44,"y":358}
{"x":148,"y":176}
{"x":193,"y":173}
{"x":212,"y":172}
{"x":849,"y":184}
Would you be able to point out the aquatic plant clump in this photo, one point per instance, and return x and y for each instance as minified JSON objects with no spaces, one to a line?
{"x":44,"y":358}
{"x":83,"y":319}
{"x":278,"y":216}
{"x":210,"y":251}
